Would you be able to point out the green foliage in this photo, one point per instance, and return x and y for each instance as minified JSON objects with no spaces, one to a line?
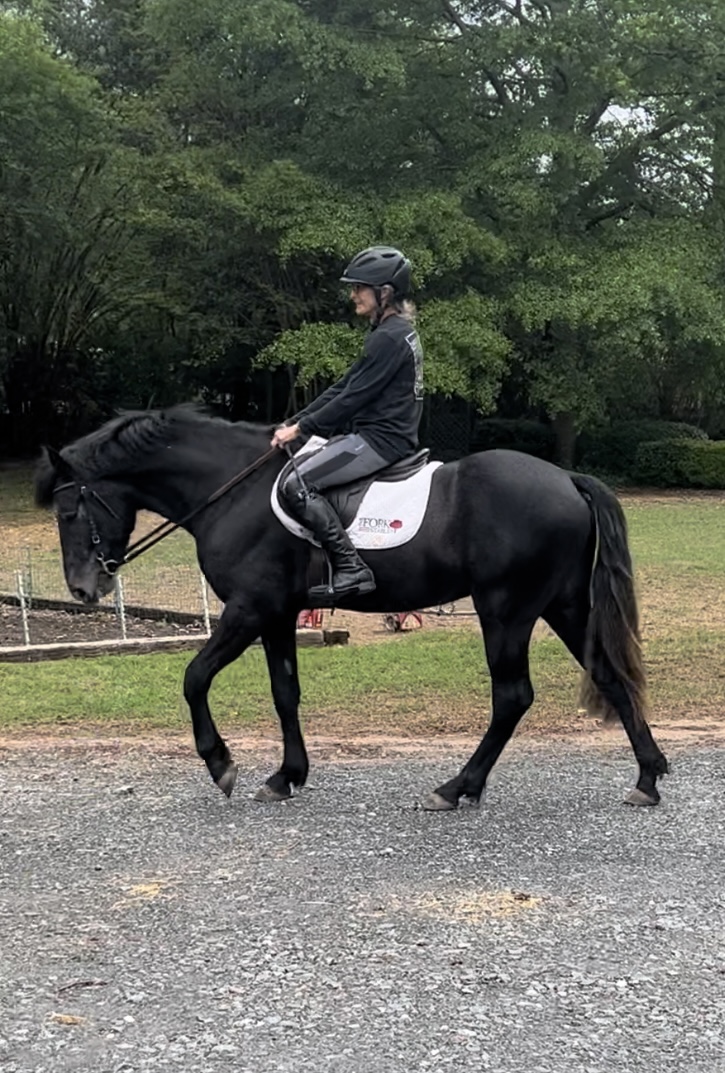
{"x":67,"y":190}
{"x":466,"y":351}
{"x":531,"y":437}
{"x":681,"y":464}
{"x":315,"y":350}
{"x":614,"y":449}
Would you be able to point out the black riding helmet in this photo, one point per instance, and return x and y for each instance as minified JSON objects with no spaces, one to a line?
{"x":377,"y":266}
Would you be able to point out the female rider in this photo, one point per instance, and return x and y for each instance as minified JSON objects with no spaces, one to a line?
{"x":370,"y":416}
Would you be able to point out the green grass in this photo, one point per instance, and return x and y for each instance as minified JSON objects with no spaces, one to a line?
{"x":16,"y":494}
{"x":411,"y":673}
{"x":423,"y":681}
{"x":679,"y":537}
{"x":146,"y":690}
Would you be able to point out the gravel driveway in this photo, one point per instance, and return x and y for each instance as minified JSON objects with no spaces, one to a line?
{"x":148,"y":924}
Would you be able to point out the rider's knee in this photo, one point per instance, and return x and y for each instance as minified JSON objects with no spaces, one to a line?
{"x":292,"y":489}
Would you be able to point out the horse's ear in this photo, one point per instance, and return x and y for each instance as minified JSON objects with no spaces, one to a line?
{"x":50,"y":468}
{"x":56,"y":460}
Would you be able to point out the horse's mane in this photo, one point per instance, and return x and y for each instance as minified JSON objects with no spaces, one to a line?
{"x":128,"y":438}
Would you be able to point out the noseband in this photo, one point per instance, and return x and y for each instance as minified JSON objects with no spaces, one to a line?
{"x":109,"y":566}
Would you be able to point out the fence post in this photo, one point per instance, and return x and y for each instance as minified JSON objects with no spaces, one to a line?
{"x":119,"y":602}
{"x":29,"y":574}
{"x":23,"y":607}
{"x":205,"y":604}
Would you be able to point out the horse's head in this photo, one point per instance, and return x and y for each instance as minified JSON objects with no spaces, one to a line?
{"x":95,"y":520}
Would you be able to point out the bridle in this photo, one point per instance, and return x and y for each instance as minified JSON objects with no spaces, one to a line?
{"x":110,"y":566}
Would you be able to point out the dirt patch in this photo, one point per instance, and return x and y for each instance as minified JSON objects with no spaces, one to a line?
{"x":476,"y":908}
{"x":37,"y":530}
{"x":55,"y":627}
{"x":42,"y":536}
{"x":694,"y":602}
{"x":361,"y":749}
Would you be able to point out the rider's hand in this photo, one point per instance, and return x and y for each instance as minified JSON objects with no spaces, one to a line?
{"x":285,"y":434}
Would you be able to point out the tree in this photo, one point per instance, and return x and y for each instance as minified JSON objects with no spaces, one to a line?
{"x":604,"y":166}
{"x":552,"y":168}
{"x":66,"y":191}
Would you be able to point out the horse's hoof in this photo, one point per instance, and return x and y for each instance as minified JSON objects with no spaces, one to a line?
{"x":470,"y":802}
{"x":640,"y":798}
{"x":267,"y":794}
{"x":227,"y":780}
{"x":437,"y":803}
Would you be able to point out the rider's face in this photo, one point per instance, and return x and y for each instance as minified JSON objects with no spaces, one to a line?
{"x":363,"y":298}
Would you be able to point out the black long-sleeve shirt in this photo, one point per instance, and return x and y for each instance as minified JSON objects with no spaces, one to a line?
{"x":381,"y":395}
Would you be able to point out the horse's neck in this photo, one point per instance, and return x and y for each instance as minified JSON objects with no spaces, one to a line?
{"x":181,"y":479}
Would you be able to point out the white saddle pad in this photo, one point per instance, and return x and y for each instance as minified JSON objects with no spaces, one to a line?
{"x":390,"y":514}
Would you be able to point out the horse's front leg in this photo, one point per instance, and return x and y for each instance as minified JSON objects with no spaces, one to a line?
{"x":280,"y":645}
{"x":238,"y":627}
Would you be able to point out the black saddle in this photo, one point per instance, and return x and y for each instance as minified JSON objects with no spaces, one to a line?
{"x":346,"y":498}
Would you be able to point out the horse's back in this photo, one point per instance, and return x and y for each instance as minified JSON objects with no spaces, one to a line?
{"x":505,"y":481}
{"x":514,"y":469}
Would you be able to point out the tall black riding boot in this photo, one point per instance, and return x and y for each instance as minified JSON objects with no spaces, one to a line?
{"x":350,"y":575}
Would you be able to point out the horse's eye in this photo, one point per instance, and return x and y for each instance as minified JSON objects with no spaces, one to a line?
{"x":67,"y":515}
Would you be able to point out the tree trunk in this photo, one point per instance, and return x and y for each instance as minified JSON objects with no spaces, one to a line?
{"x":566,"y":433}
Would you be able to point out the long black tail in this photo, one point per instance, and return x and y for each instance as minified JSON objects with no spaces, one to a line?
{"x":613,"y":637}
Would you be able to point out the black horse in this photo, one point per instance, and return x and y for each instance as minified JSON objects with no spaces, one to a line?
{"x":522,"y":537}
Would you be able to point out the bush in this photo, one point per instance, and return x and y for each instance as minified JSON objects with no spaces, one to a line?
{"x":531,"y":437}
{"x":681,"y":464}
{"x":614,"y":449}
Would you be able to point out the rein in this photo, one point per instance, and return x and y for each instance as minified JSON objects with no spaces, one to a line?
{"x":110,"y":566}
{"x":167,"y":527}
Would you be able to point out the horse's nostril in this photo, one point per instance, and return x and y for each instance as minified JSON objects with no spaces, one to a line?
{"x":82,"y":595}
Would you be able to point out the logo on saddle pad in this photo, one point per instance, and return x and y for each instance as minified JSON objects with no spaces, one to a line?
{"x":378,"y":525}
{"x":390,"y":514}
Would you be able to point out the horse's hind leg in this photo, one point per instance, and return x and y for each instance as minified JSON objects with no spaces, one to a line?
{"x":507,"y":650}
{"x":280,"y":646}
{"x":237,"y":629}
{"x":570,"y":623}
{"x":652,"y":761}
